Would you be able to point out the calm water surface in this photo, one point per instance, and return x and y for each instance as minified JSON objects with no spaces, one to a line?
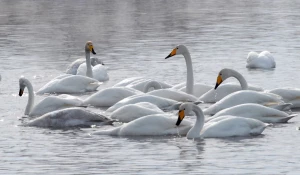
{"x":38,"y":39}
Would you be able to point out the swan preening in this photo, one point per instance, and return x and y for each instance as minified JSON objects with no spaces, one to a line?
{"x":263,"y":60}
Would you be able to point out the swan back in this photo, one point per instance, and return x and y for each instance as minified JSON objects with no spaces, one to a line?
{"x":263,"y":60}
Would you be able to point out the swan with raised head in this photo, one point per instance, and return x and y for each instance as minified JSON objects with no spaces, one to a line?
{"x":190,"y":88}
{"x":70,"y":117}
{"x":255,"y":111}
{"x":289,"y":95}
{"x":131,"y":112}
{"x":243,"y":96}
{"x":263,"y":60}
{"x":74,"y":83}
{"x":72,"y":68}
{"x":48,"y":104}
{"x":225,"y":126}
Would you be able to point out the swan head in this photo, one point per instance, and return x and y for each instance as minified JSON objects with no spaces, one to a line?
{"x":22,"y":84}
{"x":178,"y":50}
{"x":184,"y":108}
{"x":223,"y":75}
{"x":89,"y":47}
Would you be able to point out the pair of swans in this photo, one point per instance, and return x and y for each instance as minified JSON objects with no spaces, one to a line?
{"x":165,"y":124}
{"x":263,"y":60}
{"x":205,"y":93}
{"x":74,"y":83}
{"x":51,"y":112}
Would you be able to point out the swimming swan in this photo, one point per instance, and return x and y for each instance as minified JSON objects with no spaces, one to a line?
{"x":289,"y":95}
{"x":72,"y":68}
{"x":225,"y":126}
{"x":70,"y":117}
{"x":191,"y":88}
{"x":255,"y":111}
{"x":48,"y":104}
{"x":74,"y":83}
{"x":243,"y":96}
{"x":263,"y":60}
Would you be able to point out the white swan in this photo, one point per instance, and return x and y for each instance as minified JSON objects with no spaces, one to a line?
{"x":72,"y":68}
{"x":131,"y":112}
{"x":225,"y":126}
{"x":289,"y":95}
{"x":255,"y":111}
{"x":70,"y":117}
{"x":263,"y":60}
{"x":168,"y":93}
{"x":215,"y":95}
{"x":241,"y":97}
{"x":48,"y":104}
{"x":150,"y":125}
{"x":99,"y":72}
{"x":74,"y":83}
{"x":191,"y":88}
{"x":109,"y":96}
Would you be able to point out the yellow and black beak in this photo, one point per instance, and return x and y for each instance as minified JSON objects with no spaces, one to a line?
{"x":180,"y":117}
{"x":172,"y":53}
{"x":21,"y":92}
{"x":219,"y":81}
{"x":92,"y":49}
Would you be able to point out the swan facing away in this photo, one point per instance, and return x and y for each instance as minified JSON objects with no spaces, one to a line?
{"x":263,"y":60}
{"x":289,"y":95}
{"x":255,"y":111}
{"x":225,"y":126}
{"x":72,"y":68}
{"x":190,"y":89}
{"x":70,"y":117}
{"x":48,"y":104}
{"x":99,"y":72}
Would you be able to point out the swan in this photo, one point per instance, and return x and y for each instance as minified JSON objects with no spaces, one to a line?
{"x":255,"y":111}
{"x":289,"y":95}
{"x":109,"y":96}
{"x":70,"y":117}
{"x":74,"y":83}
{"x":150,"y":125}
{"x":72,"y":68}
{"x":167,"y":93}
{"x":48,"y":104}
{"x":191,"y":88}
{"x":99,"y":72}
{"x":215,"y":95}
{"x":225,"y":126}
{"x":131,"y":112}
{"x":263,"y":60}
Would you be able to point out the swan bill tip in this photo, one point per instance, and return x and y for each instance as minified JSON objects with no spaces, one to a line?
{"x":168,"y":56}
{"x":20,"y":92}
{"x":93,"y":51}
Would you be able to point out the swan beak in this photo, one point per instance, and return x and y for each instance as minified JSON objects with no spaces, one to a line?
{"x":21,"y":92}
{"x":171,"y":54}
{"x":180,"y":117}
{"x":219,"y":81}
{"x":92,"y":49}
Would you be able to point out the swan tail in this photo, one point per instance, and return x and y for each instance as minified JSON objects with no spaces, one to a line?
{"x":286,"y":119}
{"x":283,"y":107}
{"x":93,"y":86}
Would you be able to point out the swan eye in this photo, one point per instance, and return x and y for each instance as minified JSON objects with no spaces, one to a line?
{"x":177,"y":48}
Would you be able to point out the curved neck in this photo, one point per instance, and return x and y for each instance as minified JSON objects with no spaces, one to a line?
{"x":30,"y":97}
{"x":190,"y":76}
{"x":152,"y":84}
{"x":194,"y":132}
{"x":240,"y":78}
{"x":89,"y":71}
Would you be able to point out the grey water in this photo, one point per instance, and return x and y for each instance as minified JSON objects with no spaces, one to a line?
{"x":38,"y":39}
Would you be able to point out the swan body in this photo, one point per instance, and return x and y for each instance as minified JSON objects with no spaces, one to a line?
{"x":48,"y":104}
{"x":150,"y":125}
{"x":99,"y":72}
{"x":158,"y":101}
{"x":131,"y":112}
{"x":263,"y":60}
{"x":71,"y":117}
{"x":289,"y":95}
{"x":199,"y":89}
{"x":255,"y":111}
{"x":110,"y":96}
{"x":224,"y":126}
{"x":72,"y":68}
{"x":214,"y":95}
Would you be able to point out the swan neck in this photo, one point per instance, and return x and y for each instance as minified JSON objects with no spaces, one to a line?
{"x":196,"y":129}
{"x":241,"y":79}
{"x":152,"y":84}
{"x":30,"y":97}
{"x":89,"y":71}
{"x":190,"y":76}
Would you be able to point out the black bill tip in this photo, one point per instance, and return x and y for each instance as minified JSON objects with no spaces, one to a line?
{"x":168,"y":56}
{"x":178,"y":122}
{"x":217,"y":85}
{"x":93,"y":51}
{"x":20,"y":92}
